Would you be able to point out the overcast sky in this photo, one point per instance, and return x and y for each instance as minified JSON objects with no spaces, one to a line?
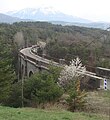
{"x":95,"y":10}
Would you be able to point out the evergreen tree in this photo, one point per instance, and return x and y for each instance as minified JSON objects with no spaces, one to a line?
{"x":41,"y":88}
{"x":77,"y":98}
{"x":7,"y":74}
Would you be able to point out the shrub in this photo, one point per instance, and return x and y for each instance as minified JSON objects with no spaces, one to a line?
{"x":15,"y":99}
{"x":41,"y":88}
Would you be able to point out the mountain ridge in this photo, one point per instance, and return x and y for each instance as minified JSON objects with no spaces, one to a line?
{"x":4,"y":18}
{"x":49,"y":14}
{"x":46,"y":14}
{"x":100,"y":25}
{"x":8,"y":19}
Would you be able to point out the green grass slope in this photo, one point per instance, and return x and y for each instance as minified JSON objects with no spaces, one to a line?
{"x":7,"y":113}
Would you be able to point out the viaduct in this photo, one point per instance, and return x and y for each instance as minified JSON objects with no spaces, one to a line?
{"x":30,"y":62}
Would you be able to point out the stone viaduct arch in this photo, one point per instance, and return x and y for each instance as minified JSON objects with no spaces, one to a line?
{"x":30,"y":63}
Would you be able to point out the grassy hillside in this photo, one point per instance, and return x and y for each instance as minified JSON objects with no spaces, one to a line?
{"x":97,"y":109}
{"x":99,"y":102}
{"x":7,"y":113}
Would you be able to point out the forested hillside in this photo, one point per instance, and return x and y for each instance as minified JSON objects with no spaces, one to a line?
{"x":91,"y":45}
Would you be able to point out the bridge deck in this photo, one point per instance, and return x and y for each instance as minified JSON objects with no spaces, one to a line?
{"x":27,"y":52}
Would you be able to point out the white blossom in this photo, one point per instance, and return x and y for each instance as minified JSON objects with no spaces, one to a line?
{"x":71,"y":71}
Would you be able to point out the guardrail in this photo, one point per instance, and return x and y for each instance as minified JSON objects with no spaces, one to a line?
{"x":43,"y":59}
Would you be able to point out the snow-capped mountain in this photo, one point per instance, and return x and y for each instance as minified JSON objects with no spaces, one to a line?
{"x":45,"y":14}
{"x":51,"y":15}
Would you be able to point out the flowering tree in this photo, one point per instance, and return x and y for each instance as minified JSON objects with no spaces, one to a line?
{"x":70,"y":72}
{"x":70,"y":80}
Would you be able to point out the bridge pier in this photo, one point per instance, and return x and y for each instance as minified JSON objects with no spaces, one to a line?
{"x":27,"y":67}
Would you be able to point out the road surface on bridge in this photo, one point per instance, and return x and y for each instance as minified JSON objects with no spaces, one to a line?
{"x":28,"y":52}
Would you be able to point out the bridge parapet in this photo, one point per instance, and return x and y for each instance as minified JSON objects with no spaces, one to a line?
{"x":44,"y":60}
